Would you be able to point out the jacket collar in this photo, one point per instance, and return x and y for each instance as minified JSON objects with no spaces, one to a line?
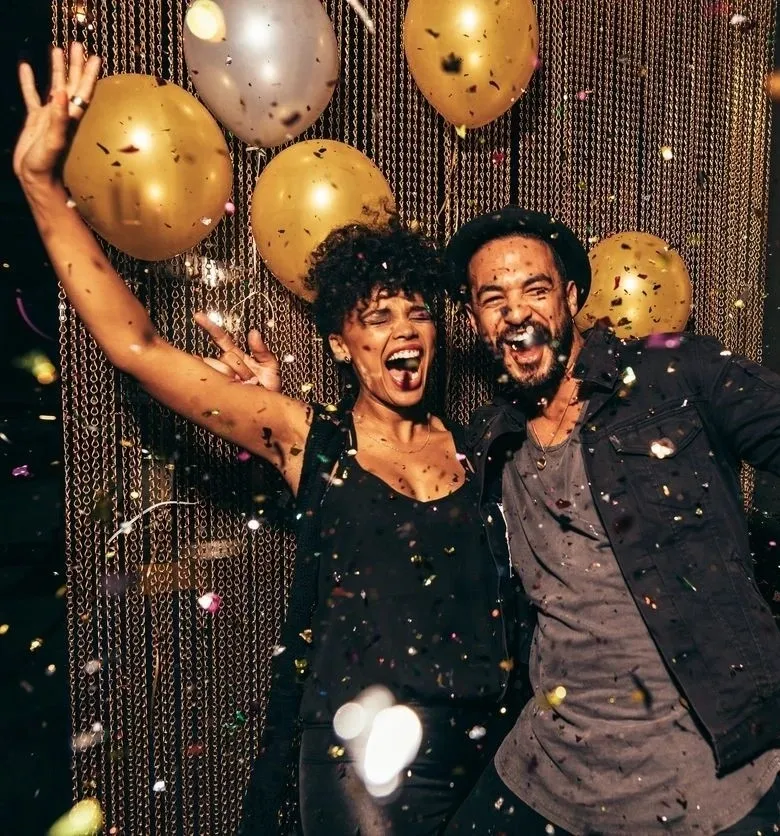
{"x":597,"y":364}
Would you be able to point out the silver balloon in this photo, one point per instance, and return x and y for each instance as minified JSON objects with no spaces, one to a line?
{"x":266,"y":69}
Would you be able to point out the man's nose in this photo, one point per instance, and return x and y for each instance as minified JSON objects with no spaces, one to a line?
{"x":516,"y":310}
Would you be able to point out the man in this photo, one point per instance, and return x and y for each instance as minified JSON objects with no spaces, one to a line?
{"x":653,"y":659}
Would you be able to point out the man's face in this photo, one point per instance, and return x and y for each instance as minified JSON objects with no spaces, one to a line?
{"x":521,"y":309}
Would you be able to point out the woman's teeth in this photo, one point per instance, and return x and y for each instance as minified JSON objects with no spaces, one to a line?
{"x":405,"y":360}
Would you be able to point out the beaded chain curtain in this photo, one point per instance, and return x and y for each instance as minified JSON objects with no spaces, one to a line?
{"x":642,"y":115}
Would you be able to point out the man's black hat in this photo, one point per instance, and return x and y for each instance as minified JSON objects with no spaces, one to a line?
{"x":513,"y":220}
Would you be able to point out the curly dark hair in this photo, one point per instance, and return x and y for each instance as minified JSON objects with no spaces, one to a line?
{"x":355,"y":260}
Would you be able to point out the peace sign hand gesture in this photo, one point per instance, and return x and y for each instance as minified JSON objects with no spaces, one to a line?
{"x":259,"y":366}
{"x":47,"y":130}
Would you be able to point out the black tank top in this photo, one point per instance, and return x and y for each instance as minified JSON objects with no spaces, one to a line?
{"x":407,"y":597}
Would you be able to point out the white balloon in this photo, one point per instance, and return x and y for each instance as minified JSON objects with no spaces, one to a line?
{"x":266,"y":69}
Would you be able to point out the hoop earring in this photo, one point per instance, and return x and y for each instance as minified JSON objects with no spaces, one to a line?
{"x":347,"y":359}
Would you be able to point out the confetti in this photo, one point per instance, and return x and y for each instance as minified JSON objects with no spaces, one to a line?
{"x":23,"y":471}
{"x":477,"y":732}
{"x":664,"y":341}
{"x":158,"y":786}
{"x":83,"y":819}
{"x":452,"y":63}
{"x":126,"y":526}
{"x":210,"y":602}
{"x":666,"y":152}
{"x":82,"y":741}
{"x":23,"y":313}
{"x":362,"y":13}
{"x":556,"y":696}
{"x":662,"y":448}
{"x":685,"y":582}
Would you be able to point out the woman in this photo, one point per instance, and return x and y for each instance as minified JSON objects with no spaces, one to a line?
{"x":393,"y":586}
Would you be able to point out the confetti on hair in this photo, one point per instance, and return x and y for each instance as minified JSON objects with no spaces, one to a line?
{"x":361,"y":11}
{"x":128,"y":524}
{"x":23,"y":313}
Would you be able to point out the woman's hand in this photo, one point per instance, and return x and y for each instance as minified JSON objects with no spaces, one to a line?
{"x":47,"y":130}
{"x":260,"y":366}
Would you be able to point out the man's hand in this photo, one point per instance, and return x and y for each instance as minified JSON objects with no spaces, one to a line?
{"x":259,"y":367}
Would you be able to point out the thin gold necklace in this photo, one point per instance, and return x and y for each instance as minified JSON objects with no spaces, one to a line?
{"x":392,"y":446}
{"x":541,"y":461}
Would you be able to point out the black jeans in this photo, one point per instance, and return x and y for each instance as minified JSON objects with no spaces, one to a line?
{"x":492,"y":809}
{"x":334,"y":802}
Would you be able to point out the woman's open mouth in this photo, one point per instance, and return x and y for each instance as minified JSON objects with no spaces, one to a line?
{"x":404,"y":368}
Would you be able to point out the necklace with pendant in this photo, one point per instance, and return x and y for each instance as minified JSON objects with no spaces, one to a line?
{"x":541,"y":461}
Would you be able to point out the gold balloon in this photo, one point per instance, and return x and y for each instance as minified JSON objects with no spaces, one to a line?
{"x":303,"y":194}
{"x":472,"y":59}
{"x":640,"y":286}
{"x":149,"y":168}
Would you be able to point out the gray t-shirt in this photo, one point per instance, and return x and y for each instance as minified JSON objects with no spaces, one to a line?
{"x":606,"y":745}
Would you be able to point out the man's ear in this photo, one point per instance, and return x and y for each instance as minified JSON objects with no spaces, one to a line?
{"x":472,"y":318}
{"x":572,"y":298}
{"x":338,"y":348}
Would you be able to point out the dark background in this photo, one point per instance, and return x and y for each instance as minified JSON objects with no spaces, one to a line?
{"x":35,"y":782}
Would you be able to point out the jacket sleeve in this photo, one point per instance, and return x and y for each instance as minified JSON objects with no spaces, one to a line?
{"x":743,"y":402}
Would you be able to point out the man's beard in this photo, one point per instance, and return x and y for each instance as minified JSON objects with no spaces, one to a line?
{"x":544,"y":388}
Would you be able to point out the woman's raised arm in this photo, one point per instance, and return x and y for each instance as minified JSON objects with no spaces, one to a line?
{"x":265,"y":423}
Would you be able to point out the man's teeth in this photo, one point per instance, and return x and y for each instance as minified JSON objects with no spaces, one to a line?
{"x":523,"y":341}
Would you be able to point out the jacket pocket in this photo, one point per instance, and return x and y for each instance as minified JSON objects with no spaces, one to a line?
{"x":662,"y":436}
{"x":666,"y":458}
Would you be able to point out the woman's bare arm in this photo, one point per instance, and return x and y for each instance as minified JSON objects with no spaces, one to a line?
{"x":264,"y":422}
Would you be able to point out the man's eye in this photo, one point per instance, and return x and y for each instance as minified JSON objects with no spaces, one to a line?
{"x":421,"y":315}
{"x":491,"y":301}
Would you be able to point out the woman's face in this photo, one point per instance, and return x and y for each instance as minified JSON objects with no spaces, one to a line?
{"x":391,"y":342}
